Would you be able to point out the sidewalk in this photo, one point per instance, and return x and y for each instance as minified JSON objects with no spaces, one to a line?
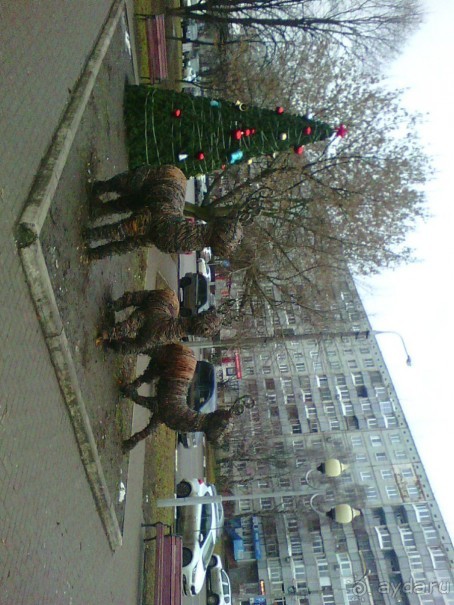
{"x":56,"y":544}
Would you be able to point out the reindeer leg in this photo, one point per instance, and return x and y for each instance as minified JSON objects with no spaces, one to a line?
{"x":130,"y":299}
{"x":130,"y":443}
{"x":125,"y":329}
{"x":120,"y":205}
{"x":120,"y":183}
{"x":127,"y":245}
{"x":113,"y":232}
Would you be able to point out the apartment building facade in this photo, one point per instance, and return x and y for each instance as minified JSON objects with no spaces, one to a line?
{"x":322,"y":395}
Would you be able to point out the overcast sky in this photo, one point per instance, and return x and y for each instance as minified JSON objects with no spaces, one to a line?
{"x":417,"y":300}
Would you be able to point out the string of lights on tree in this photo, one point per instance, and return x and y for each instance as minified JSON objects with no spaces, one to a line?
{"x":202,"y":135}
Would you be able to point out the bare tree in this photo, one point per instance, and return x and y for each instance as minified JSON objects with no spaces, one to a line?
{"x":345,"y":205}
{"x":365,"y":25}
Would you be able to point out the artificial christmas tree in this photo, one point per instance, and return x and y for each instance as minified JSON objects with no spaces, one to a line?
{"x":202,"y":135}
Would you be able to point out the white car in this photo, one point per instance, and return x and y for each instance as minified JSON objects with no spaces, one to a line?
{"x":189,"y":74}
{"x":206,"y":254}
{"x":219,"y":513}
{"x":219,"y":591}
{"x":197,"y":526}
{"x":203,"y":268}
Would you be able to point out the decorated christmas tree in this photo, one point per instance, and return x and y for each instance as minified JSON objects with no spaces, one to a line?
{"x":202,"y":135}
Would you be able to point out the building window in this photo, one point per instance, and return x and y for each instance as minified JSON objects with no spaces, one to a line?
{"x":358,"y":378}
{"x":438,"y":557}
{"x":413,"y":492}
{"x":317,"y":543}
{"x":266,"y":503}
{"x":311,"y":411}
{"x":345,"y":564}
{"x":376,"y":441}
{"x":322,"y":380}
{"x":415,"y":561}
{"x":386,"y":473}
{"x":430,"y":534}
{"x":361,"y":458}
{"x":287,"y":384}
{"x":275,"y":571}
{"x":401,"y":455}
{"x":395,"y":438}
{"x":366,"y":476}
{"x":288,"y":502}
{"x":328,"y":598}
{"x":325,"y":395}
{"x":347,"y":408}
{"x":408,"y":539}
{"x":386,"y":407}
{"x":371,"y":493}
{"x":372,"y":423}
{"x":322,"y":565}
{"x":392,"y":491}
{"x":330,"y":410}
{"x":422,"y":512}
{"x":245,"y":506}
{"x":407,"y":473}
{"x":384,"y":537}
{"x":356,"y":441}
{"x":380,"y":457}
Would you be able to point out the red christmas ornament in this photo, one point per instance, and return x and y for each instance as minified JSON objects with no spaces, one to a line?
{"x":247,"y":132}
{"x":298,"y":149}
{"x":341,"y":131}
{"x":253,"y":131}
{"x":237,"y":134}
{"x":308,"y":131}
{"x":176,"y":113}
{"x":279,"y":110}
{"x":223,"y":167}
{"x":200,"y":155}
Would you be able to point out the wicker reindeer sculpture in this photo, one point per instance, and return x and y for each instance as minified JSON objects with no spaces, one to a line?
{"x":155,"y":320}
{"x":156,"y":198}
{"x":173,"y":366}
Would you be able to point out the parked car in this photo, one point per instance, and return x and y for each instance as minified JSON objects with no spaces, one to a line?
{"x":219,"y":512}
{"x":196,"y":294}
{"x":189,"y":74}
{"x":190,"y":29}
{"x":201,"y":188}
{"x":197,"y":526}
{"x":204,"y":268}
{"x":206,"y":254}
{"x":202,"y":397}
{"x":219,"y":591}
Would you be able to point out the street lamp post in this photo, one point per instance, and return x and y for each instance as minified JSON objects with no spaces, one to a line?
{"x":342,"y":513}
{"x":252,"y":341}
{"x":377,"y":332}
{"x":330,"y":468}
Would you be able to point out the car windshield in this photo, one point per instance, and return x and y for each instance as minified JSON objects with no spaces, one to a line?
{"x":206,"y":522}
{"x":208,"y":549}
{"x":219,"y":512}
{"x":202,"y":290}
